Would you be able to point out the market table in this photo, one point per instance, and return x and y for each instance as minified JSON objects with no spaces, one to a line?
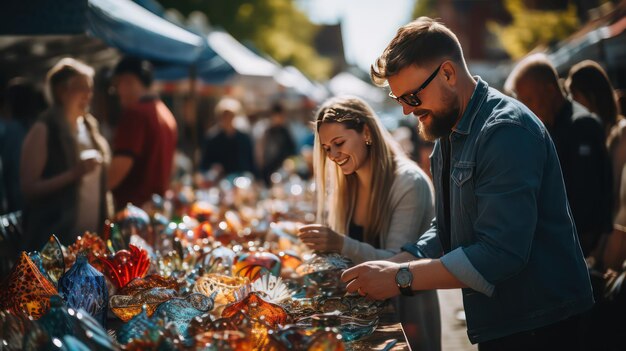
{"x":382,"y":339}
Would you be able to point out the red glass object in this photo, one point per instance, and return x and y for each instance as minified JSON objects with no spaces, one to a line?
{"x":259,"y":309}
{"x":253,"y":265}
{"x":126,"y":265}
{"x":26,"y":290}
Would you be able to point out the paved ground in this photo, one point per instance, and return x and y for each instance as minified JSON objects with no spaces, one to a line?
{"x":453,"y":331}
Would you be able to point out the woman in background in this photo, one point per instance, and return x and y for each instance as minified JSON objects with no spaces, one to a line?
{"x":371,"y":200}
{"x":62,"y":168}
{"x":589,"y":85}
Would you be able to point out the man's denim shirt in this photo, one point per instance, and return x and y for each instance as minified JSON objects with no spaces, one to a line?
{"x":513,"y":239}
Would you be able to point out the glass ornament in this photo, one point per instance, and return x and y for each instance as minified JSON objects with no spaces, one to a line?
{"x":126,"y":265}
{"x":254,"y":264}
{"x":82,"y":286}
{"x":26,"y":290}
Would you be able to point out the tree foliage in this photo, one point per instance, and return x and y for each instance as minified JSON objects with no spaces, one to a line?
{"x":532,"y":28}
{"x":424,"y":8}
{"x":275,"y":27}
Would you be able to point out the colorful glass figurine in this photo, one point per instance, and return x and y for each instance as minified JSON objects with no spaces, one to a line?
{"x":57,"y":321}
{"x":257,"y":308}
{"x":90,"y":244}
{"x":126,"y":265}
{"x":254,"y":264}
{"x":84,"y":287}
{"x":133,"y":220}
{"x":125,"y":307}
{"x":150,"y":281}
{"x":139,"y":327}
{"x":26,"y":290}
{"x":271,"y":288}
{"x":52,"y":258}
{"x":180,"y":311}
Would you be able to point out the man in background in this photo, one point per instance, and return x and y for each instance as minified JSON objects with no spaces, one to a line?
{"x":145,"y":140}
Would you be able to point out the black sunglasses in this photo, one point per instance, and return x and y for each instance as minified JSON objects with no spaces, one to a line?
{"x":411,"y":98}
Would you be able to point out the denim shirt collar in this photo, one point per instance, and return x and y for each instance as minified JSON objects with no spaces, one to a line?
{"x":473,"y":106}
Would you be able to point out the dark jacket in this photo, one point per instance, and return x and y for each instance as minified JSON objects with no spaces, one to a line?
{"x":513,"y":240}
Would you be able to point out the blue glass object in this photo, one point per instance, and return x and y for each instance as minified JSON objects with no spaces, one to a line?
{"x":351,"y":328}
{"x":84,"y":287}
{"x":139,"y":327}
{"x":180,"y":311}
{"x":57,"y":321}
{"x":133,"y":220}
{"x":91,"y":333}
{"x":70,"y":343}
{"x":35,"y":256}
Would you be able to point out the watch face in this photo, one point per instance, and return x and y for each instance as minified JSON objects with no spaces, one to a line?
{"x":404,"y":278}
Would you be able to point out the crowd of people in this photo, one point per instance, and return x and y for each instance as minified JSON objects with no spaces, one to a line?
{"x":526,"y":191}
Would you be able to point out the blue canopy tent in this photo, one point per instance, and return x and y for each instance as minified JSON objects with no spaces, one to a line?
{"x":231,"y":59}
{"x":121,"y":24}
{"x":136,"y":31}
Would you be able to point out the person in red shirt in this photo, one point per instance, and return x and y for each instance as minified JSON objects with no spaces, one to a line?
{"x":145,"y":140}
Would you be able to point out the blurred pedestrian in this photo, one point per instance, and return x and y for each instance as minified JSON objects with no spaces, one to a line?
{"x":502,"y":229}
{"x":589,"y":84}
{"x":227,"y":150}
{"x":63,"y":162}
{"x":379,"y":201}
{"x":145,"y":138}
{"x":277,"y":143}
{"x":579,"y":138}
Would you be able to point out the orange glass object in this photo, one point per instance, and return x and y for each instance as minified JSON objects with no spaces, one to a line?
{"x":232,"y":340}
{"x":126,"y":265}
{"x":203,"y":230}
{"x":92,"y":245}
{"x":290,"y":259}
{"x":326,"y":340}
{"x":229,"y":289}
{"x":259,"y":309}
{"x":257,"y":330}
{"x":296,"y":338}
{"x":26,"y":290}
{"x":125,"y":307}
{"x":254,"y":264}
{"x":151,"y":281}
{"x":202,"y":210}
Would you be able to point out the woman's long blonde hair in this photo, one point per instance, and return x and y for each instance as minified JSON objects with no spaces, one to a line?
{"x":336,"y":207}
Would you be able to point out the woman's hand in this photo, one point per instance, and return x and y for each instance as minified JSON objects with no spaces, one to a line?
{"x":321,"y":238}
{"x":85,"y":166}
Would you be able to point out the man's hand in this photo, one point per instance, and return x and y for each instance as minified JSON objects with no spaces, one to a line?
{"x":321,"y":238}
{"x":374,"y":279}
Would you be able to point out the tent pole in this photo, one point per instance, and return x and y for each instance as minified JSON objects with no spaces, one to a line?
{"x":193,"y":117}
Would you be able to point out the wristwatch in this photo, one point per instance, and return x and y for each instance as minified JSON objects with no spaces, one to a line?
{"x":404,"y":278}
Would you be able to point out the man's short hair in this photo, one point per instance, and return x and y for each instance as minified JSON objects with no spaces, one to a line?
{"x":536,"y":68}
{"x":228,"y":104}
{"x":277,"y":108}
{"x":421,"y":42}
{"x":142,"y":69}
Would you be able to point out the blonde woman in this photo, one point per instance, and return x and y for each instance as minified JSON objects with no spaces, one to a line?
{"x":371,"y":200}
{"x":63,"y":161}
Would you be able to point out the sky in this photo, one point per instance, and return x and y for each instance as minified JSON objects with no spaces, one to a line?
{"x":367,"y":25}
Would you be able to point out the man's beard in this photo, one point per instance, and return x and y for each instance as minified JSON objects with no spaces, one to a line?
{"x":441,"y":122}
